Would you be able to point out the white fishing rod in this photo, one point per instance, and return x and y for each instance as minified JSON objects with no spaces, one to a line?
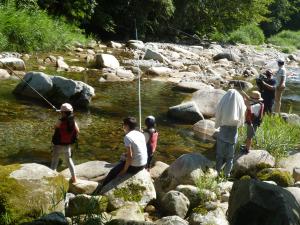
{"x":10,"y":70}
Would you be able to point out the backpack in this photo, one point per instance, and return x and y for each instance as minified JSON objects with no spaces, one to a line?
{"x":62,"y":136}
{"x":253,"y":119}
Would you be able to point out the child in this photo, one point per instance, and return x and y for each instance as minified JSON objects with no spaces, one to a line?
{"x":66,"y":130}
{"x":151,"y":136}
{"x":254,"y":114}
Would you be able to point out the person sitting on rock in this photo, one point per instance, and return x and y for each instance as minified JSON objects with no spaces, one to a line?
{"x":66,"y":131}
{"x":151,"y":136}
{"x":230,"y":114}
{"x":135,"y":158}
{"x":254,"y":114}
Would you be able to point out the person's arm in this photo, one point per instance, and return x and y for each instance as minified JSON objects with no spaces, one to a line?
{"x":76,"y":127}
{"x":268,"y":86}
{"x":282,"y":79}
{"x":128,"y":160}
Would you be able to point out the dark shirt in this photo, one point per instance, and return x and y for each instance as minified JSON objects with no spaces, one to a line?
{"x":267,"y":94}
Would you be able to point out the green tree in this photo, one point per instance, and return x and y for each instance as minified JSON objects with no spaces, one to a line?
{"x":207,"y":16}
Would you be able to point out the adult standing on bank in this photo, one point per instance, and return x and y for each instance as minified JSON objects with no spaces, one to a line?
{"x":66,"y":131}
{"x":280,"y":77}
{"x":230,"y":114}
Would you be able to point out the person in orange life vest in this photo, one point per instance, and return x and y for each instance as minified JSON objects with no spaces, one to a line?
{"x":151,"y":136}
{"x":66,"y":130}
{"x":254,"y":114}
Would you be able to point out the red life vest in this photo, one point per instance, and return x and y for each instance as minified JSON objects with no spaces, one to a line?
{"x":152,"y":142}
{"x":62,"y":136}
{"x":253,"y":119}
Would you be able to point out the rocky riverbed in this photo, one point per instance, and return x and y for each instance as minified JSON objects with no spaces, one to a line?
{"x":184,"y":191}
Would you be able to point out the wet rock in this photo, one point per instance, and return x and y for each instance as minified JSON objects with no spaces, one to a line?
{"x":175,"y":203}
{"x":12,"y":63}
{"x":187,"y":112}
{"x":56,"y":89}
{"x":205,"y":130}
{"x":107,"y":60}
{"x":254,"y":202}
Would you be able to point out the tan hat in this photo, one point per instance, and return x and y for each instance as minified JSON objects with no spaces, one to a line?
{"x":66,"y":107}
{"x":255,"y":95}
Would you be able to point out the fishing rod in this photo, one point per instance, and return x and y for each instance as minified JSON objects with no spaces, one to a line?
{"x":11,"y":71}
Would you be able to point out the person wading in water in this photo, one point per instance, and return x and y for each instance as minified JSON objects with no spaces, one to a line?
{"x":66,"y":131}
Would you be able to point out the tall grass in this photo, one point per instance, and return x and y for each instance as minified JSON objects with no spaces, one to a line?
{"x":26,"y":30}
{"x":275,"y":135}
{"x":288,"y":41}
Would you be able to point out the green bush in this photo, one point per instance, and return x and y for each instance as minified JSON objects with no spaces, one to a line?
{"x":288,"y":41}
{"x":250,"y":34}
{"x":274,"y":135}
{"x":26,"y":30}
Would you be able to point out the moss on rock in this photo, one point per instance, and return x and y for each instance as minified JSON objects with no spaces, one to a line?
{"x":280,"y":177}
{"x":131,"y":193}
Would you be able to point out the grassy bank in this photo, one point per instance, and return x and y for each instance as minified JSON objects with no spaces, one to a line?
{"x":288,"y":41}
{"x":33,"y":30}
{"x":274,"y":135}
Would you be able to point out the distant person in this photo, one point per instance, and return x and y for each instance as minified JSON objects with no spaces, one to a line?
{"x":230,"y":114}
{"x":135,"y":158}
{"x":151,"y":136}
{"x":66,"y":131}
{"x":266,"y":84}
{"x":254,"y":114}
{"x":280,"y":77}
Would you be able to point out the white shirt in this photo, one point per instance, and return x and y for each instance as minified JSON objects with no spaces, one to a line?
{"x":255,"y":109}
{"x":137,"y":141}
{"x":280,"y":74}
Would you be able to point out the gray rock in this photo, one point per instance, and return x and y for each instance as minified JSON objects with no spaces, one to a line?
{"x":184,"y":170}
{"x":205,"y":130}
{"x":13,"y":63}
{"x":187,"y":112}
{"x":250,"y":163}
{"x":158,"y":168}
{"x":92,"y":170}
{"x":171,"y":220}
{"x":137,"y":188}
{"x":4,"y":74}
{"x":175,"y":203}
{"x":240,"y":84}
{"x":295,"y":191}
{"x":115,"y":44}
{"x":191,"y":192}
{"x":130,"y":210}
{"x":254,"y":202}
{"x":135,"y":44}
{"x":290,"y":162}
{"x":159,"y":71}
{"x":56,"y":89}
{"x":83,"y":187}
{"x":227,"y":55}
{"x":86,"y":204}
{"x":207,"y":101}
{"x":150,"y":54}
{"x":62,"y":65}
{"x":215,"y":217}
{"x":296,"y":174}
{"x":106,"y":60}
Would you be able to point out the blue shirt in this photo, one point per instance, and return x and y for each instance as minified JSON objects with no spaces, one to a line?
{"x":228,"y":134}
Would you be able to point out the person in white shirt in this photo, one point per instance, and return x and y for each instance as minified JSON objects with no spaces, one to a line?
{"x":135,"y":158}
{"x":280,"y":77}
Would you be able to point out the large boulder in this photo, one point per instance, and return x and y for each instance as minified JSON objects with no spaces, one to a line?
{"x":207,"y":100}
{"x":253,"y":202}
{"x":252,"y":162}
{"x":27,"y":190}
{"x":184,"y":170}
{"x":137,"y":188}
{"x":91,"y":170}
{"x":157,"y":169}
{"x":106,"y":60}
{"x":13,"y":63}
{"x":175,"y":203}
{"x":187,"y":112}
{"x":205,"y":130}
{"x":56,"y":89}
{"x":150,"y":54}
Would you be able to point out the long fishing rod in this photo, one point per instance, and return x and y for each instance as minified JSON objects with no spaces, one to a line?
{"x":10,"y":70}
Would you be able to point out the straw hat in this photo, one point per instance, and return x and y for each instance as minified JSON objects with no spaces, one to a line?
{"x":255,"y":95}
{"x":66,"y":107}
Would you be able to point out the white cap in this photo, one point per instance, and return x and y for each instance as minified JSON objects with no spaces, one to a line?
{"x":280,"y":60}
{"x":66,"y":107}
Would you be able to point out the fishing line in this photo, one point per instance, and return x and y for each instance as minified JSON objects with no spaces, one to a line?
{"x":10,"y":70}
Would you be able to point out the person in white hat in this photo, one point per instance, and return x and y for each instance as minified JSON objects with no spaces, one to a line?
{"x":280,"y":77}
{"x":66,"y":131}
